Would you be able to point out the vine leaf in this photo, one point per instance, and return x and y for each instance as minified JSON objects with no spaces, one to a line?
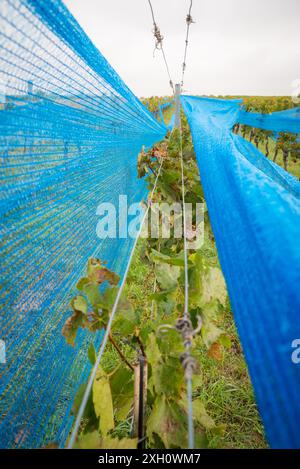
{"x":115,"y":443}
{"x":89,"y":412}
{"x":97,"y":272}
{"x":92,"y":440}
{"x":153,"y":353}
{"x":177,"y":260}
{"x":93,"y":295}
{"x":199,"y":413}
{"x":207,"y":283}
{"x":81,"y":284}
{"x":157,"y":422}
{"x":161,"y":378}
{"x":126,"y":322}
{"x":89,"y":440}
{"x":121,"y":382}
{"x":103,"y":403}
{"x":167,"y":275}
{"x":215,"y":287}
{"x":79,"y":303}
{"x":201,"y":416}
{"x":168,"y":422}
{"x":71,"y":326}
{"x":92,"y":354}
{"x":210,"y":333}
{"x":225,"y":341}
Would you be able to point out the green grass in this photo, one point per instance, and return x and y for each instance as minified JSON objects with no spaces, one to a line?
{"x":227,"y":394}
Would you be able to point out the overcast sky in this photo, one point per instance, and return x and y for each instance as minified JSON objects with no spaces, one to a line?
{"x":236,"y":46}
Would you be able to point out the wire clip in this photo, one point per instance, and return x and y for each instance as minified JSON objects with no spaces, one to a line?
{"x":185,"y":328}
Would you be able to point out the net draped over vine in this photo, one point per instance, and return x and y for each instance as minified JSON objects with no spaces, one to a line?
{"x":70,"y":132}
{"x":254,"y":209}
{"x":281,"y":121}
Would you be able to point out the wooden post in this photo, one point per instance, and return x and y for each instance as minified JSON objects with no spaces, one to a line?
{"x":177,"y":105}
{"x":140,"y":398}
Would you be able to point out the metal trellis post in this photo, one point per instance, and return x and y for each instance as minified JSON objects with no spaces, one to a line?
{"x":177,"y":105}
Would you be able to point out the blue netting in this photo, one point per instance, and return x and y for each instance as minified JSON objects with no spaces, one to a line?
{"x":254,"y":208}
{"x":281,"y":121}
{"x":70,"y":132}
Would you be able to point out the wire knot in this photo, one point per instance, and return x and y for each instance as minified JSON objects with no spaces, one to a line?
{"x":189,"y":365}
{"x":158,"y":36}
{"x":189,"y":19}
{"x":185,"y":328}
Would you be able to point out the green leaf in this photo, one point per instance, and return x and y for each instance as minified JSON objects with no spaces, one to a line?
{"x":201,"y":440}
{"x":197,"y":381}
{"x":210,"y":333}
{"x":199,"y":413}
{"x":177,"y":260}
{"x":153,"y":353}
{"x":225,"y":340}
{"x":111,"y":277}
{"x":82,"y":282}
{"x":79,"y":303}
{"x":166,"y":301}
{"x":70,"y":328}
{"x":125,"y":322}
{"x":121,"y":382}
{"x":124,"y":406}
{"x":93,"y":440}
{"x":109,"y":297}
{"x":97,"y":272}
{"x":89,"y":413}
{"x":156,"y":421}
{"x":167,"y":275}
{"x":206,"y":282}
{"x":115,"y":443}
{"x":90,"y":440}
{"x":93,"y":295}
{"x":161,"y":295}
{"x":145,"y":330}
{"x":161,"y":378}
{"x":92,"y":354}
{"x":168,"y":422}
{"x":201,"y":416}
{"x":103,"y":404}
{"x":170,"y":176}
{"x":214,"y":286}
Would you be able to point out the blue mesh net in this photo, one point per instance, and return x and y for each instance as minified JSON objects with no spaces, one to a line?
{"x":70,"y":132}
{"x":254,"y":208}
{"x":281,"y":121}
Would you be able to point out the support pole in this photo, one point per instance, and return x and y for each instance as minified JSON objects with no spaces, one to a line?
{"x":177,"y":106}
{"x":140,"y":396}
